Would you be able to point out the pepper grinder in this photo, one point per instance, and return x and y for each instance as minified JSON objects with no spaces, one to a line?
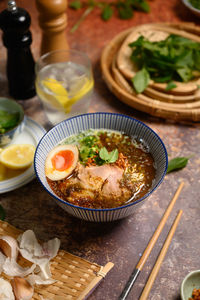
{"x":53,"y":23}
{"x":17,"y":38}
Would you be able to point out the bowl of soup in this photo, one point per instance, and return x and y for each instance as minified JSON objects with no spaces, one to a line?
{"x":100,"y":166}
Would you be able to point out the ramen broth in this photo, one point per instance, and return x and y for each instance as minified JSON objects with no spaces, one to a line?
{"x":113,"y":169}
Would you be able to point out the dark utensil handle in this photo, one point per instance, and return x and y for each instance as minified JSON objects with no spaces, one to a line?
{"x":129,"y":284}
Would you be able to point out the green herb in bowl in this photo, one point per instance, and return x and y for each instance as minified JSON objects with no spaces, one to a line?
{"x":11,"y":120}
{"x":195,"y":3}
{"x":8,"y":120}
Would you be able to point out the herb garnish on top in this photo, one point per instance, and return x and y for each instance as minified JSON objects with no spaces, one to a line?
{"x":174,"y":59}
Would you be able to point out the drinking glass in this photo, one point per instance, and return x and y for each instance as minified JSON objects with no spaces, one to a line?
{"x":64,"y":84}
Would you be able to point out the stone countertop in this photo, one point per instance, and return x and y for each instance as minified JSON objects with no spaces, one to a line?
{"x":121,"y":242}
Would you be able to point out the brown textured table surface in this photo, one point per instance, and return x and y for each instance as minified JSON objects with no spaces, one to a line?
{"x":121,"y":242}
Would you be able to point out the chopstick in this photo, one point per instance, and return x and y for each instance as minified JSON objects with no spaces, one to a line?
{"x":150,"y":246}
{"x":161,"y":256}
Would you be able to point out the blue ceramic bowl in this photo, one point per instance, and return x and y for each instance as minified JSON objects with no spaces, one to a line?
{"x":11,"y":106}
{"x":100,"y":120}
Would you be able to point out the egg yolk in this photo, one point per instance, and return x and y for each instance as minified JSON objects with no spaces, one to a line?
{"x":63,"y":160}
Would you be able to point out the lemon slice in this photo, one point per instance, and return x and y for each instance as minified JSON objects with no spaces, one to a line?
{"x":79,"y":93}
{"x":2,"y":172}
{"x":60,"y":97}
{"x":60,"y":94}
{"x":17,"y":156}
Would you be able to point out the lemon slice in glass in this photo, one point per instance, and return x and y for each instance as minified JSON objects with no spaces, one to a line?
{"x":59,"y":95}
{"x":60,"y":98}
{"x":17,"y":156}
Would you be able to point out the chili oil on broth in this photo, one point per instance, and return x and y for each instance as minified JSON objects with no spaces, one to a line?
{"x":94,"y":184}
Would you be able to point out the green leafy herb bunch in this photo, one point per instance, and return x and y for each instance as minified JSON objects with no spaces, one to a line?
{"x":124,"y":8}
{"x":175,"y":58}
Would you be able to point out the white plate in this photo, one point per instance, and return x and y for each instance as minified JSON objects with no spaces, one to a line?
{"x":31,"y":134}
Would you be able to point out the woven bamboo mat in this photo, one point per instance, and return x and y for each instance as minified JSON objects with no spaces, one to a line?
{"x":179,"y":106}
{"x":76,"y":277}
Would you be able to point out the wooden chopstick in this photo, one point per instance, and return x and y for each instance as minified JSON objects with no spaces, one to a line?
{"x":161,"y":256}
{"x":150,"y":245}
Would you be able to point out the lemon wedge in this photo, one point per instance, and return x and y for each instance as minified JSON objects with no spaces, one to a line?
{"x":2,"y":172}
{"x":60,"y":94}
{"x":60,"y":98}
{"x":17,"y":156}
{"x":79,"y":93}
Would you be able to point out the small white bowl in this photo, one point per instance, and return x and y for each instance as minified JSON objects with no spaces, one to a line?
{"x":190,"y":282}
{"x":191,"y":8}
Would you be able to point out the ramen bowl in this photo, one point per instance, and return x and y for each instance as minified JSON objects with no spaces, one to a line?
{"x":109,"y":121}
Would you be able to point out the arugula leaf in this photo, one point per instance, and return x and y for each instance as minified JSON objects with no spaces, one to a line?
{"x":107,"y":12}
{"x":109,"y":157}
{"x":141,"y":80}
{"x":76,"y":4}
{"x":171,"y":85}
{"x":177,"y":163}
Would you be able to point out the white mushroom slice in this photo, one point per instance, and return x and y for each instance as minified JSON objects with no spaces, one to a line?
{"x":36,"y":253}
{"x":6,"y":292}
{"x":38,"y":279}
{"x":23,"y":290}
{"x":9,"y":247}
{"x":2,"y":261}
{"x":11,"y":268}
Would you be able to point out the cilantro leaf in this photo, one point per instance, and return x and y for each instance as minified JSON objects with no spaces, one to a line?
{"x":113,"y":156}
{"x":109,"y":157}
{"x":103,"y":153}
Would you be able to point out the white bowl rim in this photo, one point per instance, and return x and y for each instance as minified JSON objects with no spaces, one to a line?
{"x":190,"y":6}
{"x":105,"y":209}
{"x":185,"y":279}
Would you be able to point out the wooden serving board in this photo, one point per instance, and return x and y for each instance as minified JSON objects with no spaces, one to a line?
{"x":181,"y":109}
{"x":76,"y":277}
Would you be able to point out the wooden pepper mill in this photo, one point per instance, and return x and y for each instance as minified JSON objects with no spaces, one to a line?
{"x":53,"y":22}
{"x":17,"y":38}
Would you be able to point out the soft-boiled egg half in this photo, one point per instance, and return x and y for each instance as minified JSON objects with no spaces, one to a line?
{"x":61,"y":161}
